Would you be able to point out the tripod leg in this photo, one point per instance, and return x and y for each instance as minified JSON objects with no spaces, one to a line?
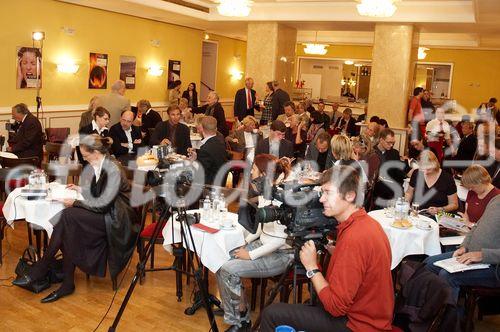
{"x":179,"y":254}
{"x":273,"y":293}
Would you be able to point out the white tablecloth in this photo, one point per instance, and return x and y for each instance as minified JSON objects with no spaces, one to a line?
{"x":412,"y":241}
{"x":213,"y":249}
{"x":461,"y":190}
{"x":37,"y":212}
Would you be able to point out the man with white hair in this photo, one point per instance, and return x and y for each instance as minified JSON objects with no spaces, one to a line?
{"x":214,"y":108}
{"x":244,"y":100}
{"x":114,"y":102}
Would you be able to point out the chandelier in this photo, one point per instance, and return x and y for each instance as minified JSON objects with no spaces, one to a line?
{"x":318,"y":49}
{"x":315,"y":48}
{"x":237,"y":8}
{"x":377,"y":8}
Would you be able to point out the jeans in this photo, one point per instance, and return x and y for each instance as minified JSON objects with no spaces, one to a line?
{"x":230,"y":274}
{"x":302,"y":318}
{"x":483,"y":277}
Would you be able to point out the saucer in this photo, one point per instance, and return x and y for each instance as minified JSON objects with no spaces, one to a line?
{"x":424,"y":228}
{"x":227,"y":228}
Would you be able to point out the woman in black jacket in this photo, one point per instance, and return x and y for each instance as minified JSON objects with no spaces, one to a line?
{"x":191,"y":95}
{"x":94,"y":231}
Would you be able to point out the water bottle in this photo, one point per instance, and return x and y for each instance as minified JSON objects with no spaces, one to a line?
{"x":215,"y":207}
{"x":206,"y":214}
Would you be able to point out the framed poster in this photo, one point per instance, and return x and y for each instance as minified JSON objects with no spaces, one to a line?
{"x":127,"y":71}
{"x":29,"y":68}
{"x":174,"y":72}
{"x":98,"y":71}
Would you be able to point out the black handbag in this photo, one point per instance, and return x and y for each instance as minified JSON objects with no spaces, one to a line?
{"x":24,"y":266}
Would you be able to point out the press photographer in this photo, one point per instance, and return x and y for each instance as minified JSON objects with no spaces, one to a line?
{"x":356,"y":293}
{"x":265,"y":253}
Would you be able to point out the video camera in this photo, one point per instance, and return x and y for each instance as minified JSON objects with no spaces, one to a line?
{"x":301,"y":212}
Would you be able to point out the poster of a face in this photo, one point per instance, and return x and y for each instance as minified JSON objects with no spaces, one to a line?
{"x":127,"y":71}
{"x":174,"y":72}
{"x":98,"y":71}
{"x":29,"y":67}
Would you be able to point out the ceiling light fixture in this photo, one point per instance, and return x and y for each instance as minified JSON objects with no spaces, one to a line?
{"x":315,"y":48}
{"x":349,"y":62}
{"x":358,"y":65}
{"x":235,"y":8}
{"x":422,"y":52}
{"x":377,"y":8}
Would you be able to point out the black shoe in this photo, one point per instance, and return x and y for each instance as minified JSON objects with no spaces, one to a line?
{"x":245,"y":326}
{"x":56,"y":295}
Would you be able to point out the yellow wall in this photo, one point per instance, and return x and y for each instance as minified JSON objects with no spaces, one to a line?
{"x":103,"y":32}
{"x":475,"y":73}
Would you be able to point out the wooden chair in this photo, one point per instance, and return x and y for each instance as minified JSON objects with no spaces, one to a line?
{"x":473,"y":295}
{"x":56,"y":150}
{"x":62,"y":172}
{"x":236,"y":170}
{"x":57,"y":135}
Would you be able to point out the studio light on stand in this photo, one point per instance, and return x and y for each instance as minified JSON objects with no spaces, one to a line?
{"x":38,"y":37}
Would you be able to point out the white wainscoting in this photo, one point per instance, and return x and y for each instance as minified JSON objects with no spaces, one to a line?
{"x":60,"y":116}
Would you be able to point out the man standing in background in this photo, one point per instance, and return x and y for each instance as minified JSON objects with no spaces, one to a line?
{"x":280,"y":97}
{"x":115,"y":101}
{"x":244,"y":100}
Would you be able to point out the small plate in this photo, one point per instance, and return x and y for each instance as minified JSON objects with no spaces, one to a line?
{"x":398,"y":225}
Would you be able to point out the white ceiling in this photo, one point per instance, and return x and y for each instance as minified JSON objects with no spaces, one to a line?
{"x":443,"y":23}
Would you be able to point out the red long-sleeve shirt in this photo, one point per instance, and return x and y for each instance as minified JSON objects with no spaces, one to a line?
{"x":359,"y":275}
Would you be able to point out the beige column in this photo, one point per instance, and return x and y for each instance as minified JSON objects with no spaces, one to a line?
{"x":395,"y":52}
{"x":270,"y":53}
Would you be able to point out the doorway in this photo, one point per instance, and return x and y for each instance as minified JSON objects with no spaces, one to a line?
{"x":208,"y":68}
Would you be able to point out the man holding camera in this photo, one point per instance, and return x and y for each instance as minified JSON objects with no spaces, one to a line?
{"x":356,"y":293}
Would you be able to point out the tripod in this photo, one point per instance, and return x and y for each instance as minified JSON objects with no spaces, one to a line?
{"x":297,"y":268}
{"x":178,"y":253}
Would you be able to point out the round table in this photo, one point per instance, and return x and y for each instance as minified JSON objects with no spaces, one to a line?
{"x":213,"y":249}
{"x":412,"y":241}
{"x":38,"y":212}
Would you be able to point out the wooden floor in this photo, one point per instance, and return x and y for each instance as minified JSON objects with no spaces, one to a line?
{"x":153,"y":306}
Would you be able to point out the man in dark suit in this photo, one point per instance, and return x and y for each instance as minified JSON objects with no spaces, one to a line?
{"x":215,"y":109}
{"x":346,"y":124}
{"x":149,"y":119}
{"x":126,"y":137}
{"x":172,"y":132}
{"x":244,"y":100}
{"x":320,"y":152}
{"x":276,"y":144}
{"x":212,"y":154}
{"x":387,"y":154}
{"x":468,"y":143}
{"x":28,"y":138}
{"x":280,"y":97}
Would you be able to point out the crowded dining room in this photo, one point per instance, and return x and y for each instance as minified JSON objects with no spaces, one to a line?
{"x":204,"y":165}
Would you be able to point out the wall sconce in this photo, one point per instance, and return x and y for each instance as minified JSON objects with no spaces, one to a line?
{"x":236,"y":75}
{"x":422,"y":52}
{"x":206,"y":37}
{"x":155,"y":71}
{"x":67,"y":67}
{"x":38,"y":35}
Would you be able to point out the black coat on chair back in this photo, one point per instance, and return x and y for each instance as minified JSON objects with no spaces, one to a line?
{"x":109,"y":195}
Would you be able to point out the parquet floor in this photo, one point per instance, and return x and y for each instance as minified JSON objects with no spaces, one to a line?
{"x":153,"y":306}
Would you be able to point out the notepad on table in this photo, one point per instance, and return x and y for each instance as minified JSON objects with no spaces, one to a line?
{"x":452,"y":265}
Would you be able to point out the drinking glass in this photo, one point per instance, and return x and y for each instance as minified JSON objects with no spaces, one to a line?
{"x":415,"y":207}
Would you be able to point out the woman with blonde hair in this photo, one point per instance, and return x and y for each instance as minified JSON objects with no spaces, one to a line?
{"x":431,"y":187}
{"x":481,"y":192}
{"x":342,"y":151}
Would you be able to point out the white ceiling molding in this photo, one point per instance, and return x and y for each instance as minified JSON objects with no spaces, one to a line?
{"x":366,"y":38}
